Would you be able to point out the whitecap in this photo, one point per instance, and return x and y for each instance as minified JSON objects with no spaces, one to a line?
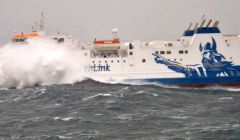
{"x":125,"y":117}
{"x":94,"y":96}
{"x":63,"y":137}
{"x":140,"y":92}
{"x":179,"y":117}
{"x":226,"y":98}
{"x":67,"y":118}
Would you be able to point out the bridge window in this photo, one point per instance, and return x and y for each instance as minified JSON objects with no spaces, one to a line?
{"x":168,"y":44}
{"x":181,"y":52}
{"x":118,"y":61}
{"x":168,"y":52}
{"x":124,"y":61}
{"x":60,"y":40}
{"x":99,"y":61}
{"x":93,"y":62}
{"x":112,"y":61}
{"x":130,"y":53}
{"x":106,"y":61}
{"x":130,"y":46}
{"x":162,"y":52}
{"x":143,"y":60}
{"x":186,"y":51}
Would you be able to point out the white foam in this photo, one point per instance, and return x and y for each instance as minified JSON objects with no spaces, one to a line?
{"x":231,"y":89}
{"x":226,"y":98}
{"x":140,"y":92}
{"x":39,"y":62}
{"x":90,"y":97}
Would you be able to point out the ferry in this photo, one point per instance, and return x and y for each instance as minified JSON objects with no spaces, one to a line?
{"x":202,"y":57}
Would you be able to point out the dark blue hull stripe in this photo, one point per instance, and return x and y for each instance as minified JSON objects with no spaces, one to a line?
{"x":193,"y":81}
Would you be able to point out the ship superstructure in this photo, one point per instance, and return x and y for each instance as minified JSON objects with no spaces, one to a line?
{"x":38,"y":32}
{"x":203,"y":56}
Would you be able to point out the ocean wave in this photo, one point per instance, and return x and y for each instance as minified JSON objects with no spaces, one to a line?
{"x":39,"y":62}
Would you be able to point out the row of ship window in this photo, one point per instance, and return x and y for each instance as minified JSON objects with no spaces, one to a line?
{"x":169,"y":52}
{"x":111,"y":61}
{"x":124,"y":61}
{"x":143,"y":61}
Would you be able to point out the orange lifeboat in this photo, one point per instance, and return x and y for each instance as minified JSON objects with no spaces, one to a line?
{"x":104,"y":42}
{"x":107,"y":44}
{"x":23,"y":37}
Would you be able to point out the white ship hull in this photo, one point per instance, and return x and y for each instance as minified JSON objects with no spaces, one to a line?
{"x":202,"y":57}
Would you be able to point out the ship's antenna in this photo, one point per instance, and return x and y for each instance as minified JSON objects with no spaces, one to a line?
{"x":34,"y":29}
{"x":36,"y":26}
{"x":41,"y":24}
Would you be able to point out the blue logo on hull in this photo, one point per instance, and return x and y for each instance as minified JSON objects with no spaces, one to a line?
{"x":213,"y":64}
{"x":100,"y":68}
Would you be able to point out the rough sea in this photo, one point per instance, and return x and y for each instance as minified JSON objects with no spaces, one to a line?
{"x":91,"y":110}
{"x":45,"y":96}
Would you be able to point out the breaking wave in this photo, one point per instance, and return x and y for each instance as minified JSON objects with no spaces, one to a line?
{"x":40,"y":62}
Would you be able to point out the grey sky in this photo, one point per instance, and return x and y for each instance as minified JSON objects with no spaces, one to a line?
{"x":136,"y":19}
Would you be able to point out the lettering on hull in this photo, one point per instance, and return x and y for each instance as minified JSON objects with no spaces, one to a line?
{"x":98,"y":68}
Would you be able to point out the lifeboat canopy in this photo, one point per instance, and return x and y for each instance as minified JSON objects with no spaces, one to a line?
{"x":18,"y":38}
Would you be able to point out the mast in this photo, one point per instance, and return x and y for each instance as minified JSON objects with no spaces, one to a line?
{"x":41,"y":22}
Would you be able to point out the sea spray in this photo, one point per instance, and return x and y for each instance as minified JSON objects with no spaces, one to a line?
{"x":40,"y":62}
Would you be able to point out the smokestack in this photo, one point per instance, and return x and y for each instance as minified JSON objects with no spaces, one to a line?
{"x":190,"y":25}
{"x":196,"y":26}
{"x":209,"y":23}
{"x":202,"y":23}
{"x":216,"y":24}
